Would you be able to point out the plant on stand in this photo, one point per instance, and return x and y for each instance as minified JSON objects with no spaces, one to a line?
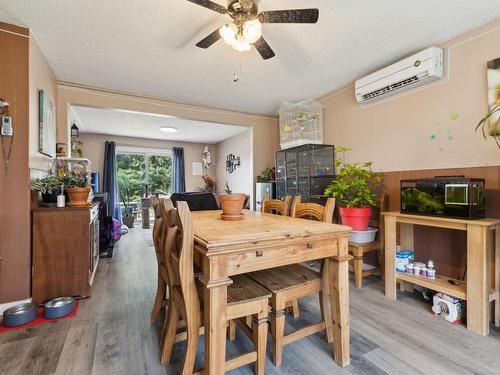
{"x":50,"y":187}
{"x":78,"y":189}
{"x":267,"y":175}
{"x":232,"y":204}
{"x":354,"y":190}
{"x":127,"y":216}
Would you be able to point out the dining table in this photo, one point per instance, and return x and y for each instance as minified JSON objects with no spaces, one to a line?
{"x":261,"y":241}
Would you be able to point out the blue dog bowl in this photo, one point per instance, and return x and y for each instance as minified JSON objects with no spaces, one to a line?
{"x":20,"y":314}
{"x":59,"y":307}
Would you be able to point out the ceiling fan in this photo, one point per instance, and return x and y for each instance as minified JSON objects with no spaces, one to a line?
{"x":246,"y":28}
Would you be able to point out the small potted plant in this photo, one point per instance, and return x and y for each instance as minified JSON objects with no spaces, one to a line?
{"x":50,"y":187}
{"x":78,"y":189}
{"x":267,"y":175}
{"x":353,"y":189}
{"x":232,"y":204}
{"x":127,"y":216}
{"x":209,"y":184}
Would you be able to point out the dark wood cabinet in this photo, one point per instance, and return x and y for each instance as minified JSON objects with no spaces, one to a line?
{"x":65,"y":243}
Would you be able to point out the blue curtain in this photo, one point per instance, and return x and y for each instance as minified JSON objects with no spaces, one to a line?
{"x":179,"y":182}
{"x":109,"y":180}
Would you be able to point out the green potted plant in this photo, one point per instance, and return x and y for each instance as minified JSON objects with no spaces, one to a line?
{"x":353,"y":188}
{"x":78,"y":189}
{"x":491,"y":125}
{"x":232,"y":204}
{"x":127,"y":216}
{"x":50,"y":187}
{"x":267,"y":175}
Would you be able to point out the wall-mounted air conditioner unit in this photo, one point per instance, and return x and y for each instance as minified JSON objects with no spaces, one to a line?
{"x":414,"y":71}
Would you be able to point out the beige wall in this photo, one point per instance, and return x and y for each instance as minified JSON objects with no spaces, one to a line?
{"x":41,"y":77}
{"x":396,"y":134}
{"x":93,"y":149}
{"x":265,"y":128}
{"x":241,"y":180}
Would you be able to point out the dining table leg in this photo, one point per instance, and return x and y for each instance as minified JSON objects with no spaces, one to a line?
{"x":339,"y":278}
{"x":215,"y":326}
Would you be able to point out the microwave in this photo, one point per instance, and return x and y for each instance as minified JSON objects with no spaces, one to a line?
{"x":454,"y":197}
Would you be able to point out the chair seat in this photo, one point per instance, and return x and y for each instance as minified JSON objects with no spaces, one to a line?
{"x":242,"y":290}
{"x":284,"y":278}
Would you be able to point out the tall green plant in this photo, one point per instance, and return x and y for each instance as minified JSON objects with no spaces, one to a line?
{"x":487,"y":126}
{"x":355,"y":183}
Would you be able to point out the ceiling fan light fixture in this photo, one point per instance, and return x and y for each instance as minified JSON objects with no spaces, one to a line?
{"x":168,"y":129}
{"x":228,"y":33}
{"x":252,"y":30}
{"x":242,"y":44}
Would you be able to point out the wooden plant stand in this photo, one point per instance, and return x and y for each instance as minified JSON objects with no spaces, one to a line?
{"x":483,"y":238}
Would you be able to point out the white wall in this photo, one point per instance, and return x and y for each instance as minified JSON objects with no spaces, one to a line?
{"x":241,"y":180}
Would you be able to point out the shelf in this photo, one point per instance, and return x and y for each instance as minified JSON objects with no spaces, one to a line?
{"x":439,"y":284}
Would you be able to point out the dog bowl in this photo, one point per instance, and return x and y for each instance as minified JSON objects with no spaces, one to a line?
{"x":59,"y":307}
{"x":20,"y":314}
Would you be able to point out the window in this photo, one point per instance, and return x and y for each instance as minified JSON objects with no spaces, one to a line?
{"x":143,"y":172}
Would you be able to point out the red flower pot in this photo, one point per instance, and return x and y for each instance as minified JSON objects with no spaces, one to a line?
{"x":356,"y":218}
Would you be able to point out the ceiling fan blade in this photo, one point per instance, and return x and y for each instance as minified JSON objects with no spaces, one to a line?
{"x":209,"y":40}
{"x":210,"y":5}
{"x":264,"y":49}
{"x":290,"y":16}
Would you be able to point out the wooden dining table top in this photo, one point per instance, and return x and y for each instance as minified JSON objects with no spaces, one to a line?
{"x":212,"y":232}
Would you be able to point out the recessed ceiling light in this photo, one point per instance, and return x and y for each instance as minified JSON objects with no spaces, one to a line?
{"x":168,"y":129}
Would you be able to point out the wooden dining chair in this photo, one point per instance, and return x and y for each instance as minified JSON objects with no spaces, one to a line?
{"x":244,"y":298}
{"x":281,"y":207}
{"x":161,"y":290}
{"x":277,"y":206}
{"x":359,"y":250}
{"x":290,"y":283}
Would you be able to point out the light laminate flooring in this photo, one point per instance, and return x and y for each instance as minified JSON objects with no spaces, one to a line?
{"x":112,"y":333}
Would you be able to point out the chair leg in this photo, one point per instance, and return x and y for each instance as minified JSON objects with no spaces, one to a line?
{"x":278,"y":331}
{"x":170,"y":330}
{"x":381,"y":262}
{"x":160,"y":296}
{"x":295,"y":309}
{"x":193,"y":337}
{"x":232,"y":330}
{"x":358,"y":271}
{"x":259,"y":330}
{"x":324,"y":301}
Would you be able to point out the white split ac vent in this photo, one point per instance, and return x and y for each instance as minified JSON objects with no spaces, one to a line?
{"x":414,"y":71}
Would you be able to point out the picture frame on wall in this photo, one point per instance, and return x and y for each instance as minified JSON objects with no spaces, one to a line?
{"x":47,"y":125}
{"x":494,"y":95}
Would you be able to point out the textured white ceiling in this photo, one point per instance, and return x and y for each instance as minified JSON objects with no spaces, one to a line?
{"x":145,"y":125}
{"x":148,"y":47}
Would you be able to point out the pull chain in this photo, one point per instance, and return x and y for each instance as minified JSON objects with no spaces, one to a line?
{"x":6,"y":154}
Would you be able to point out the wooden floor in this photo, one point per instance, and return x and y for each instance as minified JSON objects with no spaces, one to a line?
{"x":112,"y":333}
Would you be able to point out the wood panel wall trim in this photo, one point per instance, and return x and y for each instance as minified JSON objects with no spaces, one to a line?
{"x":14,"y":29}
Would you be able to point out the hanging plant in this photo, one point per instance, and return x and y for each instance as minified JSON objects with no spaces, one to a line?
{"x":490,"y":124}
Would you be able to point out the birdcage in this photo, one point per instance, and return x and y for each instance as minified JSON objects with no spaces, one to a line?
{"x":301,"y":123}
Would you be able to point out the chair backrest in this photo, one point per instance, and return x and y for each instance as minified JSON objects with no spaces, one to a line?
{"x":179,"y":249}
{"x":314,"y":210}
{"x":276,"y":206}
{"x":157,"y":228}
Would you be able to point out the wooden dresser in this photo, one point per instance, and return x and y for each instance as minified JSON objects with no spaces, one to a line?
{"x":65,"y":251}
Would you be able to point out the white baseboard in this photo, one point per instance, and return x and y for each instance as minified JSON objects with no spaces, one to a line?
{"x":8,"y":305}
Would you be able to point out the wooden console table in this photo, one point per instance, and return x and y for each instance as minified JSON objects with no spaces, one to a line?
{"x":483,"y":243}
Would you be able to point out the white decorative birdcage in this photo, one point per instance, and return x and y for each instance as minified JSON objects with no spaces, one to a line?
{"x":301,"y":123}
